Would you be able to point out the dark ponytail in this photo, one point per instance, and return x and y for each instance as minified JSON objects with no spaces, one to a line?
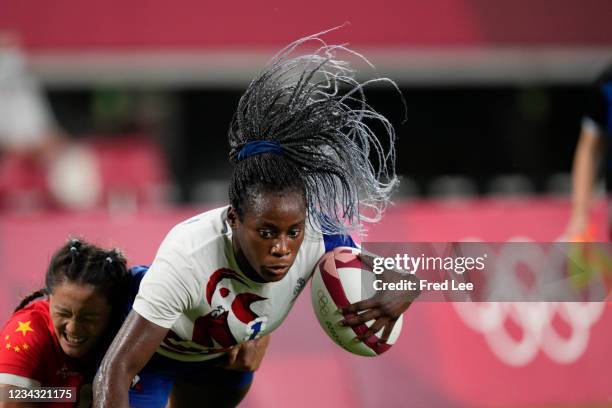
{"x":80,"y":262}
{"x":26,"y":300}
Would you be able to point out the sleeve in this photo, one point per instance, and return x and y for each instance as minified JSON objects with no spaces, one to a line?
{"x":25,"y":343}
{"x":595,"y":114}
{"x":169,"y":288}
{"x":597,"y":109}
{"x":334,"y":241}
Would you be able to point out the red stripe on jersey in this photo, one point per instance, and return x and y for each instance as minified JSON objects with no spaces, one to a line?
{"x":217,"y":277}
{"x":241,"y":306}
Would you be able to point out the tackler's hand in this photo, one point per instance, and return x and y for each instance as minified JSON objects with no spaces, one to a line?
{"x":247,"y":356}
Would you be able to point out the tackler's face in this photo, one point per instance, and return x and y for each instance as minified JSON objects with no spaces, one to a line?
{"x":80,"y":315}
{"x":267,"y":239}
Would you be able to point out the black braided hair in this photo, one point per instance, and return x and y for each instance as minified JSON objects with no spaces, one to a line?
{"x":314,"y":109}
{"x":80,"y":262}
{"x":26,"y":300}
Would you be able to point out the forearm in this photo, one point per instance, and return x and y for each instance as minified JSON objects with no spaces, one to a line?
{"x":131,"y":349}
{"x":584,"y":173}
{"x":111,"y":385}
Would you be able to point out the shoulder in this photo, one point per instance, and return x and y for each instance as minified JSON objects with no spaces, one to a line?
{"x":27,"y":339}
{"x":35,"y":318}
{"x":197,"y":233}
{"x":191,"y":251}
{"x":202,"y":238}
{"x":212,"y":222}
{"x":315,"y":245}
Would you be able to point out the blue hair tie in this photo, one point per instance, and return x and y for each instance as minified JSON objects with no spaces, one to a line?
{"x":259,"y":147}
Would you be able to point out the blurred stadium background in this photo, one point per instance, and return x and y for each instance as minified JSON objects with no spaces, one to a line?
{"x":143,"y":91}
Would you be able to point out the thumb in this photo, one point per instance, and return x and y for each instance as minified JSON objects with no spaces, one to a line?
{"x":232,"y":354}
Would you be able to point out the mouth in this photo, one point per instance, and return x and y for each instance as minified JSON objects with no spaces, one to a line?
{"x":73,"y":341}
{"x":278,"y":269}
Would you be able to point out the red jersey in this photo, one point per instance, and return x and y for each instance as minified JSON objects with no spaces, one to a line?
{"x":30,"y":350}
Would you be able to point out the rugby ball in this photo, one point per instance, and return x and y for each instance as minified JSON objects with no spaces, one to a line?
{"x":338,"y":281}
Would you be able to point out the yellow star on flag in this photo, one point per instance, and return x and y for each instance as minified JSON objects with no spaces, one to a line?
{"x":25,"y":346}
{"x":24,"y":328}
{"x":8,"y":346}
{"x":17,"y":349}
{"x":7,"y":337}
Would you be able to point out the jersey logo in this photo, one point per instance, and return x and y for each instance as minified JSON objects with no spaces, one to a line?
{"x":217,"y":312}
{"x":135,"y":384}
{"x":255,"y":327}
{"x":301,"y":282}
{"x":24,"y":328}
{"x":212,"y":330}
{"x":18,"y":344}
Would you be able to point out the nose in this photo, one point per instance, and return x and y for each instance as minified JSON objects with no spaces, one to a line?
{"x":72,"y":327}
{"x":281,"y":247}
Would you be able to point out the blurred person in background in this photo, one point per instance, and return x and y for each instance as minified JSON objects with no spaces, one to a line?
{"x":594,"y":144}
{"x":27,"y":126}
{"x":40,"y":167}
{"x":30,"y":139}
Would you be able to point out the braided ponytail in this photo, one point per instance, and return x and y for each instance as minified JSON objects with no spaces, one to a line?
{"x":304,"y":124}
{"x":26,"y":300}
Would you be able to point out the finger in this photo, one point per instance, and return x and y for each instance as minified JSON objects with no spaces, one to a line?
{"x":360,"y":306}
{"x":373,"y":329}
{"x":387,"y":332}
{"x":247,"y":358}
{"x":357,"y":319}
{"x":232,"y":355}
{"x":262,"y":342}
{"x":241,"y":360}
{"x":367,"y":262}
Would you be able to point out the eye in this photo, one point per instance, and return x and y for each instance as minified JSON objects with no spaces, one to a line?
{"x":294,"y":233}
{"x":266,"y":234}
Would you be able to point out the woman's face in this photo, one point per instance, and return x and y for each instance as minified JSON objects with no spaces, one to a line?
{"x":270,"y":234}
{"x":80,"y":315}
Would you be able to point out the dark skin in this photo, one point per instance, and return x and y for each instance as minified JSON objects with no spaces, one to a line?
{"x":268,"y":237}
{"x":265,"y":240}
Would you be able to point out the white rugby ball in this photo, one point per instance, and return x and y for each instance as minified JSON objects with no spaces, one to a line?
{"x":339,"y":281}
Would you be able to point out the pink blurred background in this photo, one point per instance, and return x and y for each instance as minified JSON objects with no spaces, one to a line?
{"x":445,"y":356}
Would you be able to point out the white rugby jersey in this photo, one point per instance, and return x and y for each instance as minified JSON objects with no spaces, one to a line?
{"x":196,"y":289}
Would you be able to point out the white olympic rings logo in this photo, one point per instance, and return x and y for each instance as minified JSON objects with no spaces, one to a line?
{"x":535,"y":319}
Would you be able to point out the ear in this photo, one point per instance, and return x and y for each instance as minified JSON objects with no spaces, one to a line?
{"x":232,"y":217}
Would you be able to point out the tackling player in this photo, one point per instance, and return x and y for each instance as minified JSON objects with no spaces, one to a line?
{"x":60,"y":340}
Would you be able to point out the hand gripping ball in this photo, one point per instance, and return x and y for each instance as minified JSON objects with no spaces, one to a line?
{"x":338,"y":280}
